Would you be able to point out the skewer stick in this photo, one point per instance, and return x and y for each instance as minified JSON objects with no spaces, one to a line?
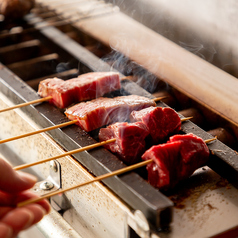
{"x":51,"y":128}
{"x":99,"y":178}
{"x":57,"y":126}
{"x":38,"y":131}
{"x":26,"y":104}
{"x":47,"y":99}
{"x":159,"y":98}
{"x":210,"y":140}
{"x":89,"y":147}
{"x":186,"y":119}
{"x":67,"y":153}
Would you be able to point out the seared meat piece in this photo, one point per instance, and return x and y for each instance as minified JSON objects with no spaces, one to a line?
{"x":102,"y":111}
{"x":157,"y":123}
{"x":161,"y":122}
{"x":15,"y":8}
{"x":130,"y":140}
{"x":84,"y":87}
{"x":175,"y":160}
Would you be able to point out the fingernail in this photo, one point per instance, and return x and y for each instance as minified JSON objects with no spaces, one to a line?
{"x":27,"y":177}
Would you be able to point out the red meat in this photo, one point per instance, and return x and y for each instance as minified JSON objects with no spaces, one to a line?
{"x":130,"y":140}
{"x":102,"y":111}
{"x":175,"y":160}
{"x":84,"y":87}
{"x":161,"y":122}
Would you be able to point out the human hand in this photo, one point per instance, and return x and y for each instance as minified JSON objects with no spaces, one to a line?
{"x":14,"y":189}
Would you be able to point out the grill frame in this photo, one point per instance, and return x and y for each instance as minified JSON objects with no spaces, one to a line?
{"x":19,"y":92}
{"x":159,"y":211}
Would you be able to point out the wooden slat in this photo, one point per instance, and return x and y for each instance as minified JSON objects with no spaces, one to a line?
{"x":18,"y":46}
{"x":43,"y":58}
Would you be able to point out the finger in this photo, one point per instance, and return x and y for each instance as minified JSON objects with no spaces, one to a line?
{"x":4,"y":211}
{"x":11,"y":200}
{"x":5,"y":231}
{"x":6,"y":199}
{"x":28,"y":195}
{"x":37,"y":211}
{"x":12,"y":181}
{"x":18,"y":219}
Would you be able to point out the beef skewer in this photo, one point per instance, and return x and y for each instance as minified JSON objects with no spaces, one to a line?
{"x":152,"y":101}
{"x":99,"y":112}
{"x":175,"y":160}
{"x":85,"y":87}
{"x":101,"y":143}
{"x":131,"y":139}
{"x":97,"y":179}
{"x":149,"y":126}
{"x":63,"y":93}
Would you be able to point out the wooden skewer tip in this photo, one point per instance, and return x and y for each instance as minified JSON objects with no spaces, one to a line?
{"x":210,"y":140}
{"x":159,"y":98}
{"x":186,"y":119}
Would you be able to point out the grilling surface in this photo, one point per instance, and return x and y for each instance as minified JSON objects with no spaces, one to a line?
{"x":35,"y":58}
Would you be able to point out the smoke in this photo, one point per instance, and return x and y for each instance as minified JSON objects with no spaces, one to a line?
{"x":61,"y":67}
{"x":127,"y":67}
{"x":206,"y":52}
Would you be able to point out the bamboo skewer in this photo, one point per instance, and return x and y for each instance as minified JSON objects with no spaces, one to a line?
{"x":66,"y":153}
{"x":55,"y":127}
{"x":47,"y":99}
{"x":38,"y":131}
{"x":89,"y":147}
{"x":186,"y":119}
{"x":97,"y":179}
{"x":26,"y":104}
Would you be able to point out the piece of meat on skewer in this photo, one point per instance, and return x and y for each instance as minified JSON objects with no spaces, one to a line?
{"x":84,"y":87}
{"x":175,"y":160}
{"x":157,"y":123}
{"x":130,"y":140}
{"x":160,"y":121}
{"x":102,"y":111}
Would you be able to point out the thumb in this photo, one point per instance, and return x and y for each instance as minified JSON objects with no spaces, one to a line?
{"x":12,"y":181}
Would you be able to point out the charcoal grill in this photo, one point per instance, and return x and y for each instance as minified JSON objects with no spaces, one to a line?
{"x":52,"y":42}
